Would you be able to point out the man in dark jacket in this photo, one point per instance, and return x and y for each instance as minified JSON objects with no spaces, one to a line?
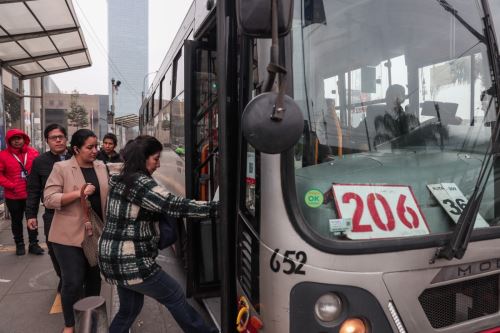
{"x":107,"y":154}
{"x":15,"y":165}
{"x":56,"y":138}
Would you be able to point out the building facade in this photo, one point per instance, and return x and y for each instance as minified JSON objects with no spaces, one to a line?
{"x":128,"y":52}
{"x":22,"y":106}
{"x":58,"y":109}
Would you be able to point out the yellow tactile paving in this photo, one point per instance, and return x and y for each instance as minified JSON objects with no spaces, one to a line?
{"x":12,"y":248}
{"x":56,"y":306}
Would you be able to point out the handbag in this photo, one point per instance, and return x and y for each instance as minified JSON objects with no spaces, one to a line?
{"x":168,"y":231}
{"x":93,"y":230}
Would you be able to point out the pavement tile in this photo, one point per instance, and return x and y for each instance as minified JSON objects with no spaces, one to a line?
{"x":10,"y":270}
{"x":29,"y":312}
{"x":26,"y":300}
{"x":38,"y":275}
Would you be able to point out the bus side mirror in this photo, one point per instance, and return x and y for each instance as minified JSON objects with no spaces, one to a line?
{"x":254,"y":17}
{"x":267,"y":133}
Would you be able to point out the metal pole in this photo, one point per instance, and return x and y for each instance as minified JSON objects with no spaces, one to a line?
{"x":42,"y":107}
{"x":113,"y":92}
{"x":3,"y":122}
{"x":90,"y":315}
{"x":3,"y":130}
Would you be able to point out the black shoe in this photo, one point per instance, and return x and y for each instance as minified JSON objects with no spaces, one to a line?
{"x":20,"y":250}
{"x":34,"y":248}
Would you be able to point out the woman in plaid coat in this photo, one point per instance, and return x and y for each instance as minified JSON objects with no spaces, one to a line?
{"x":129,"y":243}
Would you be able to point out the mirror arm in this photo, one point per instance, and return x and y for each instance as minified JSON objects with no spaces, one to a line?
{"x":274,"y":68}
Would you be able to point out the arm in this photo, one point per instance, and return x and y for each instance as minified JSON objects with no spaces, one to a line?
{"x":4,"y":181}
{"x":147,"y":194}
{"x":53,"y":195}
{"x":34,"y":188}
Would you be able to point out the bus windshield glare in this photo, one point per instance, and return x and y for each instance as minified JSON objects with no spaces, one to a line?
{"x":397,"y":114}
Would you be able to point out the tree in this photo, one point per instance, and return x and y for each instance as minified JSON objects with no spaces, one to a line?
{"x":77,"y":116}
{"x":12,"y":109}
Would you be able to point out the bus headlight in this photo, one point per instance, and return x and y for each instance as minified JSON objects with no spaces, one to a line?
{"x":328,"y":307}
{"x":353,"y":325}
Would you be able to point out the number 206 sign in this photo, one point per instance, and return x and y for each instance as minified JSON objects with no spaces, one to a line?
{"x":379,"y":211}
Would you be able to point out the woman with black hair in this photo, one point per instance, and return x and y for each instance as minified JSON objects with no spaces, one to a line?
{"x":62,"y":193}
{"x":129,"y":242}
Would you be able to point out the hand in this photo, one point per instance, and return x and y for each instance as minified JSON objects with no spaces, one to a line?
{"x":32,"y":224}
{"x":89,"y":190}
{"x":214,"y":209}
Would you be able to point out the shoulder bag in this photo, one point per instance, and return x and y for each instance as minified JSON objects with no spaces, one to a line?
{"x":93,"y":229}
{"x":168,"y":231}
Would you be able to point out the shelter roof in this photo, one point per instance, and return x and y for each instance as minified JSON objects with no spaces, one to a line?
{"x":130,"y":120}
{"x":41,"y":37}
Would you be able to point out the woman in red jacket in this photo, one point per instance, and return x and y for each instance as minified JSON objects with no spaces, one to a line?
{"x":15,"y":166}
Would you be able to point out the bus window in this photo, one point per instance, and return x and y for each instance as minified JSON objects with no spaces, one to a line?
{"x":166,"y":87}
{"x":177,"y":121}
{"x":396,"y":119}
{"x":179,"y":74}
{"x":164,"y":125}
{"x":445,"y":80}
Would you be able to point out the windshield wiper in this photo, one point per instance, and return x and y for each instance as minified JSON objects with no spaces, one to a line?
{"x":457,"y":245}
{"x":449,"y":8}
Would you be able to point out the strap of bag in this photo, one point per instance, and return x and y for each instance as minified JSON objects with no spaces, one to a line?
{"x":86,"y":212}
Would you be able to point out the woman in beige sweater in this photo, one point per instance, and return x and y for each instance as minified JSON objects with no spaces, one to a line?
{"x":62,"y":193}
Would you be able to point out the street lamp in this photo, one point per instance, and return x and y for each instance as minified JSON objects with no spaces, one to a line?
{"x":114,"y":90}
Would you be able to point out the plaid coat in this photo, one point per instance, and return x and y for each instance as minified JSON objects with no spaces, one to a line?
{"x":129,"y":242}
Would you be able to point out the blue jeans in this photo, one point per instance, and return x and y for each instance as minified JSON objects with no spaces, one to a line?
{"x":165,"y":290}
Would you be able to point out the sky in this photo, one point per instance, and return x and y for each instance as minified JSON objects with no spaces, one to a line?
{"x":165,"y":17}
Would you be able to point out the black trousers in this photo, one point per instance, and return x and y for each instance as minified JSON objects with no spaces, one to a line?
{"x":47,"y":216}
{"x":16,"y":210}
{"x":78,"y":278}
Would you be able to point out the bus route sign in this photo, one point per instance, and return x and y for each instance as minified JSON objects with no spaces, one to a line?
{"x":379,"y":211}
{"x":453,"y":202}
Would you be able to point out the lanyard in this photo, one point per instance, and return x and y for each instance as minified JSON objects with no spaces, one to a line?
{"x":25,"y":159}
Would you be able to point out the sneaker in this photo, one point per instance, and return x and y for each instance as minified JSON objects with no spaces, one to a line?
{"x":20,"y":250}
{"x":34,"y":248}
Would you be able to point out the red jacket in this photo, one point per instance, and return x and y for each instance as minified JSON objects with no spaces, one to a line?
{"x":10,"y":170}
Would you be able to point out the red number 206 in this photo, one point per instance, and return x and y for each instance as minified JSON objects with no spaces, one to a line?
{"x":401,"y":210}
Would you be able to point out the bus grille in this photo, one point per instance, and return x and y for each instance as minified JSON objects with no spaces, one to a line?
{"x":248,"y":263}
{"x":462,"y":301}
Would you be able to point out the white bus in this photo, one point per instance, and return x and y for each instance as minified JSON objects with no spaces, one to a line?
{"x":358,"y":226}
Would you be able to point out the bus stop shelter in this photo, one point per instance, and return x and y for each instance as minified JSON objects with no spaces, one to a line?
{"x":38,"y":38}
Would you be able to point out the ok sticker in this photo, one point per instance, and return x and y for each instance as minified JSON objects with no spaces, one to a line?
{"x":314,"y":198}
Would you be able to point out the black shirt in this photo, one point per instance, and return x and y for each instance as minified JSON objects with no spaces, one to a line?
{"x":113,"y":158}
{"x":95,"y":199}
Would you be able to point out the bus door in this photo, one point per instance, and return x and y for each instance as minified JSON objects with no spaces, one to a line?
{"x":201,"y":131}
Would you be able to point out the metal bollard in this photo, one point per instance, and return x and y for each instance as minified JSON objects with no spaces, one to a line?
{"x":90,"y":315}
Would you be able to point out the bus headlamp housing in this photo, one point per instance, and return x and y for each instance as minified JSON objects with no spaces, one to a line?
{"x":328,"y":307}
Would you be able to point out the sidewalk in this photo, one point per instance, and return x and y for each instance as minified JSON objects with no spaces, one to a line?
{"x":28,"y":288}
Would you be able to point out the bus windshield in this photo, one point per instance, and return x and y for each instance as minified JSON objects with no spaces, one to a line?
{"x":398,"y":116}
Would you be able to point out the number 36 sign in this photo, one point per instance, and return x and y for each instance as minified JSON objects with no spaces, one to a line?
{"x":379,"y":211}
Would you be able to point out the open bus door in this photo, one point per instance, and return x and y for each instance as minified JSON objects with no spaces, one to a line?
{"x":201,"y":126}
